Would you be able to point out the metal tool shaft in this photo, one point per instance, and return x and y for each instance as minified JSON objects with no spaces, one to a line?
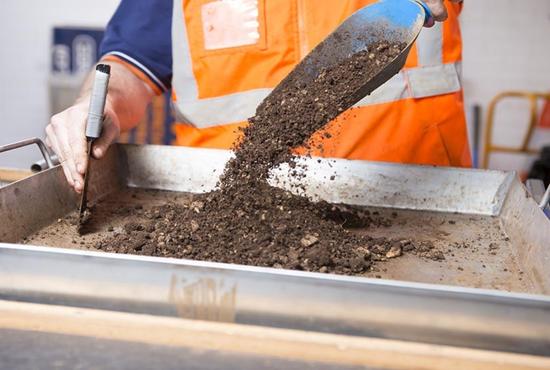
{"x":84,"y":197}
{"x":94,"y":125}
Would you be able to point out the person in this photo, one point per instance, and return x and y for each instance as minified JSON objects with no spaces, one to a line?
{"x":220,"y":58}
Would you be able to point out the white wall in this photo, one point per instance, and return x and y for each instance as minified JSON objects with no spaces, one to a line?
{"x":25,"y":37}
{"x":506,"y":47}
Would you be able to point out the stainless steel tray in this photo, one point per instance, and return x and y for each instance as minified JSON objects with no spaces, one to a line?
{"x":488,"y":206}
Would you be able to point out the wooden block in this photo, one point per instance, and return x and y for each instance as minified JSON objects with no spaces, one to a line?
{"x":9,"y":175}
{"x":256,"y":341}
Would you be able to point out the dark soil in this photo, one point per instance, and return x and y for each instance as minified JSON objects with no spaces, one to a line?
{"x":83,"y":219}
{"x":317,"y":237}
{"x":295,"y":110}
{"x":246,"y":221}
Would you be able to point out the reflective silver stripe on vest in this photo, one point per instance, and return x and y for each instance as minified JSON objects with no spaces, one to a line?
{"x":429,"y":46}
{"x":183,"y":79}
{"x":226,"y":109}
{"x":429,"y":79}
{"x":435,"y":80}
{"x":394,"y":89}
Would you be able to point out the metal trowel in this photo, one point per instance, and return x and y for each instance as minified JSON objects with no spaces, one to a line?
{"x":94,"y":125}
{"x":391,"y":20}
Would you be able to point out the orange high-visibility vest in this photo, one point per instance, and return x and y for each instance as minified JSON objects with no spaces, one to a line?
{"x":229,"y":55}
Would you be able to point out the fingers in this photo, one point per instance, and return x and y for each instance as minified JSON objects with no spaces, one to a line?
{"x":79,"y":148}
{"x":439,"y":12}
{"x":52,"y":142}
{"x":429,"y":23}
{"x":65,"y":136}
{"x":68,"y":153}
{"x":109,"y":135}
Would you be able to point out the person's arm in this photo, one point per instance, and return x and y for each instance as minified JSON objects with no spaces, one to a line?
{"x":138,"y":47}
{"x":127,"y":98}
{"x":439,"y":11}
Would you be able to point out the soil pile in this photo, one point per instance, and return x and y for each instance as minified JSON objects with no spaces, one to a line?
{"x":246,"y":221}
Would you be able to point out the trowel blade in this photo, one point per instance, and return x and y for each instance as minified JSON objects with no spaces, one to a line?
{"x":390,"y":20}
{"x":84,"y":213}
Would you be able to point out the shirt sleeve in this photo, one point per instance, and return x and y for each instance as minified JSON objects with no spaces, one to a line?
{"x":139,"y":36}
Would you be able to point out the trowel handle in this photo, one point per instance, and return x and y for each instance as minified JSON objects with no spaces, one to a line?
{"x":98,"y":97}
{"x":429,"y":15}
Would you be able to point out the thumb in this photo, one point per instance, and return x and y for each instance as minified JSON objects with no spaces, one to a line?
{"x":438,"y":9}
{"x":109,"y":135}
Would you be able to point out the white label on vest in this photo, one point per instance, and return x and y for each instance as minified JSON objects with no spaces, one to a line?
{"x":230,"y":23}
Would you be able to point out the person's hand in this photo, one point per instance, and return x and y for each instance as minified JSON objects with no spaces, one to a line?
{"x":66,"y":136}
{"x":439,"y":12}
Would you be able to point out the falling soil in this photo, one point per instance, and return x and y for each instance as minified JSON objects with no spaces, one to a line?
{"x":247,"y":221}
{"x":295,"y":110}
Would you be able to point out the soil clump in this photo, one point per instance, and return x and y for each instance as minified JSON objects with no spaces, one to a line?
{"x":247,"y":221}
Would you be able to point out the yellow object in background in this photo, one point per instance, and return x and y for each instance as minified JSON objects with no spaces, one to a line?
{"x":535,"y":120}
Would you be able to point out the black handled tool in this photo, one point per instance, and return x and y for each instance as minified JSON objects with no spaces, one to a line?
{"x":94,"y":125}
